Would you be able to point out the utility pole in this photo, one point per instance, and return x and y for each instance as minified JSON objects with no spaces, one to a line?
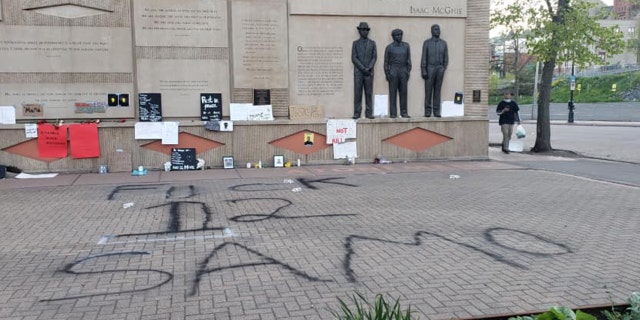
{"x":573,"y":87}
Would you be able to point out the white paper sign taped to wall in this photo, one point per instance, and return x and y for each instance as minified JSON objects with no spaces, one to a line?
{"x":338,"y":130}
{"x":345,"y":150}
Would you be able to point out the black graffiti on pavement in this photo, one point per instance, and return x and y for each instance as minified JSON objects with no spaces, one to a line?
{"x":274,"y":214}
{"x":251,"y":187}
{"x":489,"y":236}
{"x":118,"y":189}
{"x":172,"y":193}
{"x":174,"y":213}
{"x":417,"y":241}
{"x":309,"y":183}
{"x":68,"y":269}
{"x":264,"y":260}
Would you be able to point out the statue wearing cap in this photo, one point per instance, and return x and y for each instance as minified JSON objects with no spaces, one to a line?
{"x":363,"y":56}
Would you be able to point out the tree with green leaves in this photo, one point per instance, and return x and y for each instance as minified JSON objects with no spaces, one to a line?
{"x":560,"y":31}
{"x":513,"y":32}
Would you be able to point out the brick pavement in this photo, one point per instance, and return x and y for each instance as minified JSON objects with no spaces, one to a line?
{"x":241,"y":244}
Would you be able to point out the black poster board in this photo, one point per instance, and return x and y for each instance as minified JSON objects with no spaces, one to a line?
{"x":261,"y":97}
{"x":210,"y":106}
{"x":150,"y":107}
{"x":183,"y":159}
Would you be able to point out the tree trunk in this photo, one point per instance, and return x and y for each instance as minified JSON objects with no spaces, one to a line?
{"x":543,"y":128}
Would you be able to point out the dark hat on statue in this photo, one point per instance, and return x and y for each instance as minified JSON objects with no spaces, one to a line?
{"x":363,"y":26}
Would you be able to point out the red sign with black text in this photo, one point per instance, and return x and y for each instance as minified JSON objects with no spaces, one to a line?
{"x":52,"y":141}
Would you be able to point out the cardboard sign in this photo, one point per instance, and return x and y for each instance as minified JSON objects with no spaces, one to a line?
{"x":306,"y":113}
{"x":52,"y":141}
{"x":32,"y":110}
{"x":85,"y":142}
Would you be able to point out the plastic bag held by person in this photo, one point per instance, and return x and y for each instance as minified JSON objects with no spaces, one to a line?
{"x":520,"y":132}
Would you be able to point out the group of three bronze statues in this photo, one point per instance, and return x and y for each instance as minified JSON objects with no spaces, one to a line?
{"x":397,"y":67}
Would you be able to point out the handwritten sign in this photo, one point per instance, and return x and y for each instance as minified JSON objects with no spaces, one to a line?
{"x":183,"y":159}
{"x":150,"y":107}
{"x":249,"y":112}
{"x":52,"y":141}
{"x":306,"y":113}
{"x":31,"y":130}
{"x":210,"y":106}
{"x":32,"y":110}
{"x":338,"y":130}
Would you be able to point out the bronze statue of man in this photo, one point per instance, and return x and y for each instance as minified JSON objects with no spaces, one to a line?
{"x":397,"y":65}
{"x":363,"y":56}
{"x":435,"y":58}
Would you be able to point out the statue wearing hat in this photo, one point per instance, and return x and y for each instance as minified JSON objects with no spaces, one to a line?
{"x":363,"y":56}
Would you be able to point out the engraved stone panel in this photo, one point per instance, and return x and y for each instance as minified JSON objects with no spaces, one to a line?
{"x":186,"y":23}
{"x":397,"y":8}
{"x":260,"y":43}
{"x":181,"y":81}
{"x":65,"y":49}
{"x":321,"y":70}
{"x":70,"y":11}
{"x":58,"y":100}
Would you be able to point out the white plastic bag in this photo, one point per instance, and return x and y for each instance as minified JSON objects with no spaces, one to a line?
{"x":520,"y":132}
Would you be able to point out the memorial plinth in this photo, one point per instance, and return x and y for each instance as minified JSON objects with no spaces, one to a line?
{"x":59,"y":60}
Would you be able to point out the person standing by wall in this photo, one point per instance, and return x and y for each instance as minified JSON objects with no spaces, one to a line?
{"x":397,"y":66}
{"x":509,"y":115}
{"x":363,"y":56}
{"x":435,"y":59}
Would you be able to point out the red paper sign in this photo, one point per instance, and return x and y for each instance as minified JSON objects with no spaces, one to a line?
{"x":84,"y":141}
{"x":52,"y":141}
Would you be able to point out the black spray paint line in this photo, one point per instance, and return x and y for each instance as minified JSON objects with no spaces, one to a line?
{"x":245,"y":187}
{"x":202,"y":268}
{"x":488,"y":235}
{"x":274,"y":214}
{"x":132,"y":187}
{"x":107,"y":239}
{"x":308,"y":183}
{"x":68,"y":270}
{"x":172,"y":190}
{"x":174,"y":212}
{"x":417,"y":241}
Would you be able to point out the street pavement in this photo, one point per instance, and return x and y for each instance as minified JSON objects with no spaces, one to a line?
{"x":453,"y":239}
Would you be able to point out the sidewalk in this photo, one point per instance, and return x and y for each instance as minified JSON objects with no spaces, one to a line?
{"x":617,"y":141}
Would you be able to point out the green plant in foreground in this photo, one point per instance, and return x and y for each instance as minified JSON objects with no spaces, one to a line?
{"x":558,"y":313}
{"x":631,"y":313}
{"x":363,"y":310}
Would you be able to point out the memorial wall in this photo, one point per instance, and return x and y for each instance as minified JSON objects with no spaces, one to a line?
{"x":82,"y":60}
